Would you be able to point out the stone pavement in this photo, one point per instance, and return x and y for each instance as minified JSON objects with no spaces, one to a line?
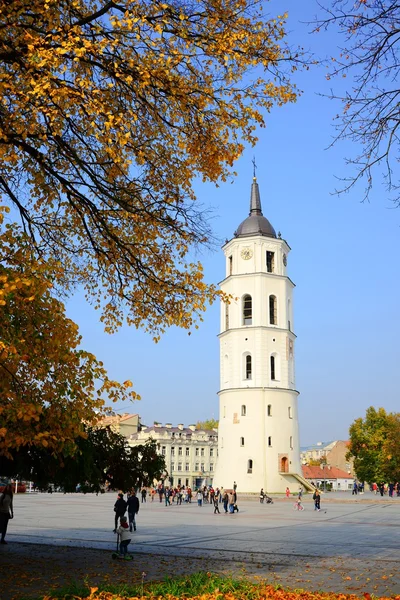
{"x":351,"y":545}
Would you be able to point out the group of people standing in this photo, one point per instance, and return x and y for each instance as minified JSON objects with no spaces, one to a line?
{"x":392,"y":489}
{"x":131,"y":504}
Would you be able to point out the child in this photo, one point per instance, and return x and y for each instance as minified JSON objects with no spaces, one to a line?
{"x":124,"y":536}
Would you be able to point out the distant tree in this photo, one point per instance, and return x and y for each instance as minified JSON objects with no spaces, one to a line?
{"x":103,"y":457}
{"x":374,"y":445}
{"x":370,"y":56}
{"x":208,"y":424}
{"x":317,"y":462}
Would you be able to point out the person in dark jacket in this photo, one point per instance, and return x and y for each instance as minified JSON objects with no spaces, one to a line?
{"x":133,"y":509}
{"x":119,"y":509}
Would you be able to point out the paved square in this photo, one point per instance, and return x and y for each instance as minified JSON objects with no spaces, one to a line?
{"x":351,"y":545}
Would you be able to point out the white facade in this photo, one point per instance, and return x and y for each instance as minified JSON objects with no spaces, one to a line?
{"x":258,"y":425}
{"x":190,"y":454}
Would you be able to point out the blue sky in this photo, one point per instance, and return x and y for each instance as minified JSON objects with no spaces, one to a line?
{"x":343,"y":261}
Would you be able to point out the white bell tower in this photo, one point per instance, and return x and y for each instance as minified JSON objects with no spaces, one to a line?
{"x":258,"y":444}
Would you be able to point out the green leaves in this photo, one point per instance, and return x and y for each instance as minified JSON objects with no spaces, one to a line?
{"x":374,"y":446}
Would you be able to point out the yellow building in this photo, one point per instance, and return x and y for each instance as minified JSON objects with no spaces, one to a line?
{"x":125,"y":424}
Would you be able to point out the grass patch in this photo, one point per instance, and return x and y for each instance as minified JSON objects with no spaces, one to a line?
{"x":197,"y":584}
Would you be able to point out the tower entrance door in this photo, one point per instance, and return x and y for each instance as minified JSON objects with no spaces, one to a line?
{"x":284,"y":466}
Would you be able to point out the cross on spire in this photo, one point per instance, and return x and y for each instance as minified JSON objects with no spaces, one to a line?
{"x":254,"y":167}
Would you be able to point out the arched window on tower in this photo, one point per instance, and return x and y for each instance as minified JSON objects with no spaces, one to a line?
{"x":275,"y":367}
{"x":249,"y":466}
{"x":242,"y":441}
{"x":243,"y":410}
{"x":272,"y":361}
{"x":247,"y":310}
{"x":273,"y":310}
{"x":247,"y":367}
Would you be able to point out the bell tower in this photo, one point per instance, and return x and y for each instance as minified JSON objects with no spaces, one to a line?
{"x":258,"y":444}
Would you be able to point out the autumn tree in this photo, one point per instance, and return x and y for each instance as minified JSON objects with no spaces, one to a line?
{"x":369,"y":59}
{"x":374,"y":446}
{"x":108,"y":112}
{"x":49,"y":385}
{"x":102,"y":458}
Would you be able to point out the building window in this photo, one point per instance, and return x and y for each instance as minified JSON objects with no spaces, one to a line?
{"x":197,"y":451}
{"x":173,"y":451}
{"x":179,"y":466}
{"x":248,"y":366}
{"x":289,"y":315}
{"x":249,"y":466}
{"x":163,"y":451}
{"x":269,"y":441}
{"x":187,"y":467}
{"x":272,"y":361}
{"x":242,"y":441}
{"x":172,"y":466}
{"x":179,"y":451}
{"x":291,"y":442}
{"x":202,"y":452}
{"x":211,"y":467}
{"x":247,"y":310}
{"x":196,"y":466}
{"x":187,"y":451}
{"x":269,"y":410}
{"x":230,"y":259}
{"x":243,"y":410}
{"x":273,"y":310}
{"x":226,"y":315}
{"x":202,"y":467}
{"x":270,"y":261}
{"x":211,"y":451}
{"x":290,"y":412}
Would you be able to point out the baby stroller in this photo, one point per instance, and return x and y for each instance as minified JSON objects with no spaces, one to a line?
{"x":268,"y":499}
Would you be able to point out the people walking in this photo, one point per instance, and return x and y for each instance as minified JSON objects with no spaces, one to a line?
{"x":231,"y":502}
{"x":144,"y":494}
{"x":225,"y":500}
{"x":216,"y":505}
{"x":199,"y":497}
{"x":317,"y":500}
{"x":119,"y":509}
{"x":262,"y":495}
{"x":287,"y":492}
{"x":133,"y":509}
{"x":6,"y":511}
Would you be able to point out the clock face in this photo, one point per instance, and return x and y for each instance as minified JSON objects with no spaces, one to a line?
{"x":285,"y":260}
{"x":246,"y":253}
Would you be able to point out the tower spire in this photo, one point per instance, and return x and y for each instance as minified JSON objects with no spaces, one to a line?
{"x":255,"y":200}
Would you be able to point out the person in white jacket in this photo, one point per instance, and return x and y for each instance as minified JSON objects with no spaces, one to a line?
{"x":124,"y":536}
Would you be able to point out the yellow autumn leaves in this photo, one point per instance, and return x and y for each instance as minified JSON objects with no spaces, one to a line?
{"x":108,"y":114}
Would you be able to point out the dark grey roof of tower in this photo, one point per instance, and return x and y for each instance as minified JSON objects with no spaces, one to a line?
{"x":256,"y":223}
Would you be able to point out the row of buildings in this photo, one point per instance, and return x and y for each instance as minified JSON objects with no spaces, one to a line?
{"x":191,"y":454}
